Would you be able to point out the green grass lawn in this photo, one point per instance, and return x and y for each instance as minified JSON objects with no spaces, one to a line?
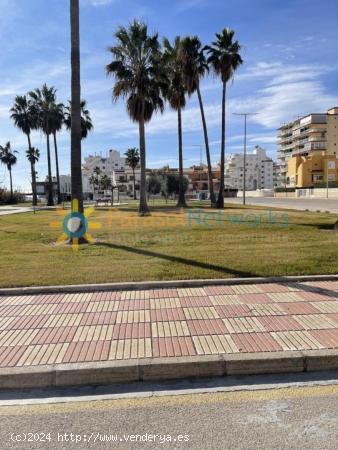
{"x":169,"y":244}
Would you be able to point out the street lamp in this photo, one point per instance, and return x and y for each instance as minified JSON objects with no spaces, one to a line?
{"x":245,"y":115}
{"x":200,"y":147}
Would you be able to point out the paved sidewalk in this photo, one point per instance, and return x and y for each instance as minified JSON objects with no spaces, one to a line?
{"x":105,"y":326}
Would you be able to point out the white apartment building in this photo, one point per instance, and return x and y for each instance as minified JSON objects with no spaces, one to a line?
{"x":259,"y":171}
{"x":114,"y":166}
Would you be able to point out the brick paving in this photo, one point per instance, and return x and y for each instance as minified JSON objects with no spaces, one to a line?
{"x":103,"y":326}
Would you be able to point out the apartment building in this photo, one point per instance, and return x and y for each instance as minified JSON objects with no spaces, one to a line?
{"x":308,"y":150}
{"x":259,"y":171}
{"x":114,"y":166}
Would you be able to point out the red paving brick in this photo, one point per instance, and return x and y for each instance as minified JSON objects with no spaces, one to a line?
{"x":86,"y":327}
{"x":280,"y":323}
{"x":299,"y":308}
{"x":254,"y":298}
{"x":255,"y":342}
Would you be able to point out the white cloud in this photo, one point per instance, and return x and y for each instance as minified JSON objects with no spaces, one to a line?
{"x":288,"y":92}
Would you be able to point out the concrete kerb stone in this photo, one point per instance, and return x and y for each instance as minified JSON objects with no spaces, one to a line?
{"x":143,"y":285}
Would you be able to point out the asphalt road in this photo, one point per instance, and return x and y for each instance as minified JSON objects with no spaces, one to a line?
{"x":286,"y":418}
{"x":311,"y":204}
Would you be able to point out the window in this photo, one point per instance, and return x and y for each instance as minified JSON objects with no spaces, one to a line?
{"x":331,"y":164}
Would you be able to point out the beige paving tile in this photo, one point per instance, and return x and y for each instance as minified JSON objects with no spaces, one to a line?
{"x":243,"y":325}
{"x":219,"y":300}
{"x":247,"y":289}
{"x":284,"y":297}
{"x":296,"y":340}
{"x":315,"y":322}
{"x":266,"y":309}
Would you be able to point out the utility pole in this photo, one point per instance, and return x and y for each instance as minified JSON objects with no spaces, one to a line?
{"x":327,"y":176}
{"x":200,"y":171}
{"x":245,"y":115}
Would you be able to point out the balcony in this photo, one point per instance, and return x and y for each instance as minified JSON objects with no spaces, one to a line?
{"x":318,"y":145}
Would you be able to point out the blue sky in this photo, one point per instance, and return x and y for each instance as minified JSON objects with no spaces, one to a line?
{"x":289,"y":48}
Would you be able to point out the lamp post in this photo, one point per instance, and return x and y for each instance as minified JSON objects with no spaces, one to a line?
{"x":245,"y":115}
{"x":200,"y":147}
{"x":327,"y":176}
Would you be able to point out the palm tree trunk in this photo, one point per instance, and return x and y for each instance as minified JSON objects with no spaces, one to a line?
{"x":11,"y":184}
{"x":76,"y":172}
{"x":33,"y":173}
{"x":50,"y":201}
{"x":57,"y":169}
{"x":207,"y":150}
{"x":134,"y":183}
{"x":220,"y":199}
{"x":143,"y":207}
{"x":181,"y":195}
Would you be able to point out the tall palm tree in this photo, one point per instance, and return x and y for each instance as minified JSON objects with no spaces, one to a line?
{"x":24,"y":115}
{"x":44,"y":101}
{"x":133,"y":160}
{"x":86,"y":121}
{"x":224,"y":58}
{"x":33,"y":155}
{"x":76,"y":170}
{"x":192,"y":58}
{"x":56,"y":126}
{"x":8,"y":158}
{"x":175,"y":95}
{"x":140,"y":79}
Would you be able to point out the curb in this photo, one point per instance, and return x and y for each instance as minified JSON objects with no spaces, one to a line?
{"x":150,"y":369}
{"x":142,"y":285}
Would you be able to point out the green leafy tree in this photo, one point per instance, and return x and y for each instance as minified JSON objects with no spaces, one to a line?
{"x":133,"y":160}
{"x":44,"y":102}
{"x":192,"y":58}
{"x":154,"y":184}
{"x":140,"y":79}
{"x":25,"y":117}
{"x":171,"y":184}
{"x":225,"y":59}
{"x":8,"y":158}
{"x":175,"y":95}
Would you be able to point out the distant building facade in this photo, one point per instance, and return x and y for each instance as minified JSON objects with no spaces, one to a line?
{"x":308,"y":149}
{"x":259,"y":171}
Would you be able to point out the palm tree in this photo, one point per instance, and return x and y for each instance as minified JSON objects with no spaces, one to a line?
{"x":224,"y":59}
{"x":86,"y":121}
{"x":56,"y":126}
{"x":8,"y":158}
{"x":194,"y":63}
{"x":140,"y":79}
{"x":44,"y":102}
{"x":93,"y":181}
{"x":106,"y":185}
{"x":25,"y":118}
{"x":133,"y":160}
{"x":176,"y":97}
{"x":76,"y":171}
{"x":33,"y":155}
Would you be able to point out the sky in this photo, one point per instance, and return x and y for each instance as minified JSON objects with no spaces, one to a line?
{"x":290,"y":69}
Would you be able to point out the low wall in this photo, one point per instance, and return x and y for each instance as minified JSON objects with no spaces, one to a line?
{"x":285,"y":194}
{"x":257,"y":193}
{"x":321,"y":193}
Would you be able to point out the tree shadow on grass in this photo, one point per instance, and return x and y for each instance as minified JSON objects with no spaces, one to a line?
{"x":178,"y":259}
